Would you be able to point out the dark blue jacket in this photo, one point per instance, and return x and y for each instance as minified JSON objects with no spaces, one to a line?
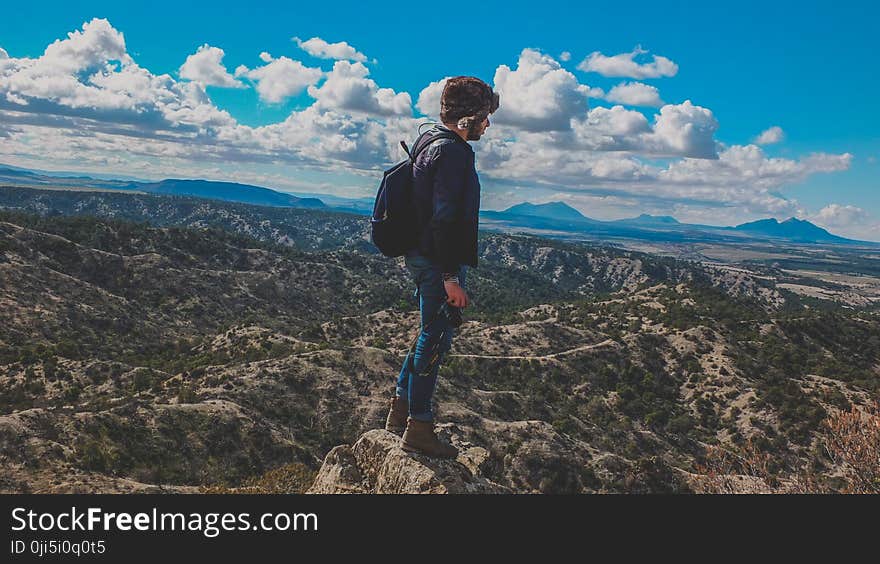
{"x":446,"y":193}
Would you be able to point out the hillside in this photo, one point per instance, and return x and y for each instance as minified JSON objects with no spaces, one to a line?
{"x":224,"y":191}
{"x":227,"y":191}
{"x":307,"y":229}
{"x":20,"y":188}
{"x":141,"y":358}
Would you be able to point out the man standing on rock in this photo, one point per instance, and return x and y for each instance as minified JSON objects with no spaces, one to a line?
{"x":446,"y":190}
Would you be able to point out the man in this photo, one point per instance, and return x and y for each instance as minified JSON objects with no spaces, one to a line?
{"x":446,"y":193}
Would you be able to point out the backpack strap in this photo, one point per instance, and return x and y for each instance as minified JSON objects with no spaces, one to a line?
{"x":419,"y":146}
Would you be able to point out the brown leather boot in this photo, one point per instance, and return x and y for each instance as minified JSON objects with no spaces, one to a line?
{"x":419,"y":437}
{"x":396,"y":420}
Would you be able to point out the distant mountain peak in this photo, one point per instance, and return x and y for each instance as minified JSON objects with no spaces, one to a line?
{"x":554,"y":210}
{"x":792,"y":228}
{"x":229,"y":191}
{"x":796,"y":221}
{"x":646,"y":217}
{"x":647,"y":220}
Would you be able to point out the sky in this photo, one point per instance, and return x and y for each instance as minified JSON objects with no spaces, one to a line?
{"x":709,"y":112}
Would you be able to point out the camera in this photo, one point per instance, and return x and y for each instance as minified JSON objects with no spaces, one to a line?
{"x":452,"y":314}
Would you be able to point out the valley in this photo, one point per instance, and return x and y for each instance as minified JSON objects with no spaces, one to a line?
{"x":154,"y":343}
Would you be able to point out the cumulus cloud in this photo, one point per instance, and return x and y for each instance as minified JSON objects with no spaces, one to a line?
{"x":539,"y":95}
{"x":280,"y":78}
{"x":86,"y":103}
{"x":635,"y":94}
{"x":617,"y":122}
{"x":770,"y":136}
{"x":348,"y":88}
{"x":56,"y":75}
{"x":90,"y":75}
{"x":565,"y":56}
{"x":539,"y":158}
{"x":848,"y":221}
{"x":624,"y":65}
{"x":428,"y":101}
{"x":601,"y":157}
{"x":679,"y":130}
{"x":97,"y":43}
{"x":836,"y":215}
{"x":326,"y":134}
{"x":686,"y":129}
{"x":206,"y":66}
{"x":3,"y":53}
{"x":317,"y":47}
{"x":748,"y":168}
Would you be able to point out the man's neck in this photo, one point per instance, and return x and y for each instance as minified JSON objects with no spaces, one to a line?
{"x":460,"y":132}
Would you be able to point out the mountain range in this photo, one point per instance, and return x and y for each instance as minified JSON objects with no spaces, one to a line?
{"x":556,"y":219}
{"x":560,"y":217}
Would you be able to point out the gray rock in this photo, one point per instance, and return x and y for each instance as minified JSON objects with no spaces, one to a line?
{"x":377,"y":464}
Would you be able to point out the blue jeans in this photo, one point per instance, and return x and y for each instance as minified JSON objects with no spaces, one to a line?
{"x":418,"y":376}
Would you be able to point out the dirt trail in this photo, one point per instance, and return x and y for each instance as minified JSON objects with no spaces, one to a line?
{"x":606,"y":342}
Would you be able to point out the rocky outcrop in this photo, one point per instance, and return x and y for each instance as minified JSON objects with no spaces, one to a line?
{"x":377,"y":464}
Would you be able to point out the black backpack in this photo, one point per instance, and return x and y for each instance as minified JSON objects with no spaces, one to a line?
{"x":394,"y":225}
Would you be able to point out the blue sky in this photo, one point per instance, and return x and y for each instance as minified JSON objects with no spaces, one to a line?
{"x":807,"y":69}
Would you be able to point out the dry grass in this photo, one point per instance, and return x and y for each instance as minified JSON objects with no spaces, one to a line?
{"x":294,"y":478}
{"x":849,"y":439}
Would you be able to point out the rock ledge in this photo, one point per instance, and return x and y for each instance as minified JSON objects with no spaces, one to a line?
{"x":377,"y":464}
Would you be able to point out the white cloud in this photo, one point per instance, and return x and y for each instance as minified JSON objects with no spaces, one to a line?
{"x":747,"y":168}
{"x":770,"y":136}
{"x":684,"y":129}
{"x":602,"y":130}
{"x":543,"y":159}
{"x":94,"y":46}
{"x":617,"y":121}
{"x":848,"y":221}
{"x":328,"y":135}
{"x":429,"y":98}
{"x":3,"y":53}
{"x":742,"y":180}
{"x":317,"y":47}
{"x":539,"y":95}
{"x":565,"y":56}
{"x":624,"y":65}
{"x":85,"y":103}
{"x":635,"y":94}
{"x":104,"y":109}
{"x":56,"y":75}
{"x":90,"y":75}
{"x":206,"y":66}
{"x":836,"y":215}
{"x":280,"y":78}
{"x":348,"y":88}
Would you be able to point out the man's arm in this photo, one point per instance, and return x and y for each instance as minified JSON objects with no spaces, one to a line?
{"x":449,"y":186}
{"x":449,"y":183}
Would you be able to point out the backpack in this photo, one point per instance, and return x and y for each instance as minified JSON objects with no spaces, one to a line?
{"x":394,"y":225}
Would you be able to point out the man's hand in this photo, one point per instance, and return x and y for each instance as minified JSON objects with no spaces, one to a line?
{"x":455,"y":294}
